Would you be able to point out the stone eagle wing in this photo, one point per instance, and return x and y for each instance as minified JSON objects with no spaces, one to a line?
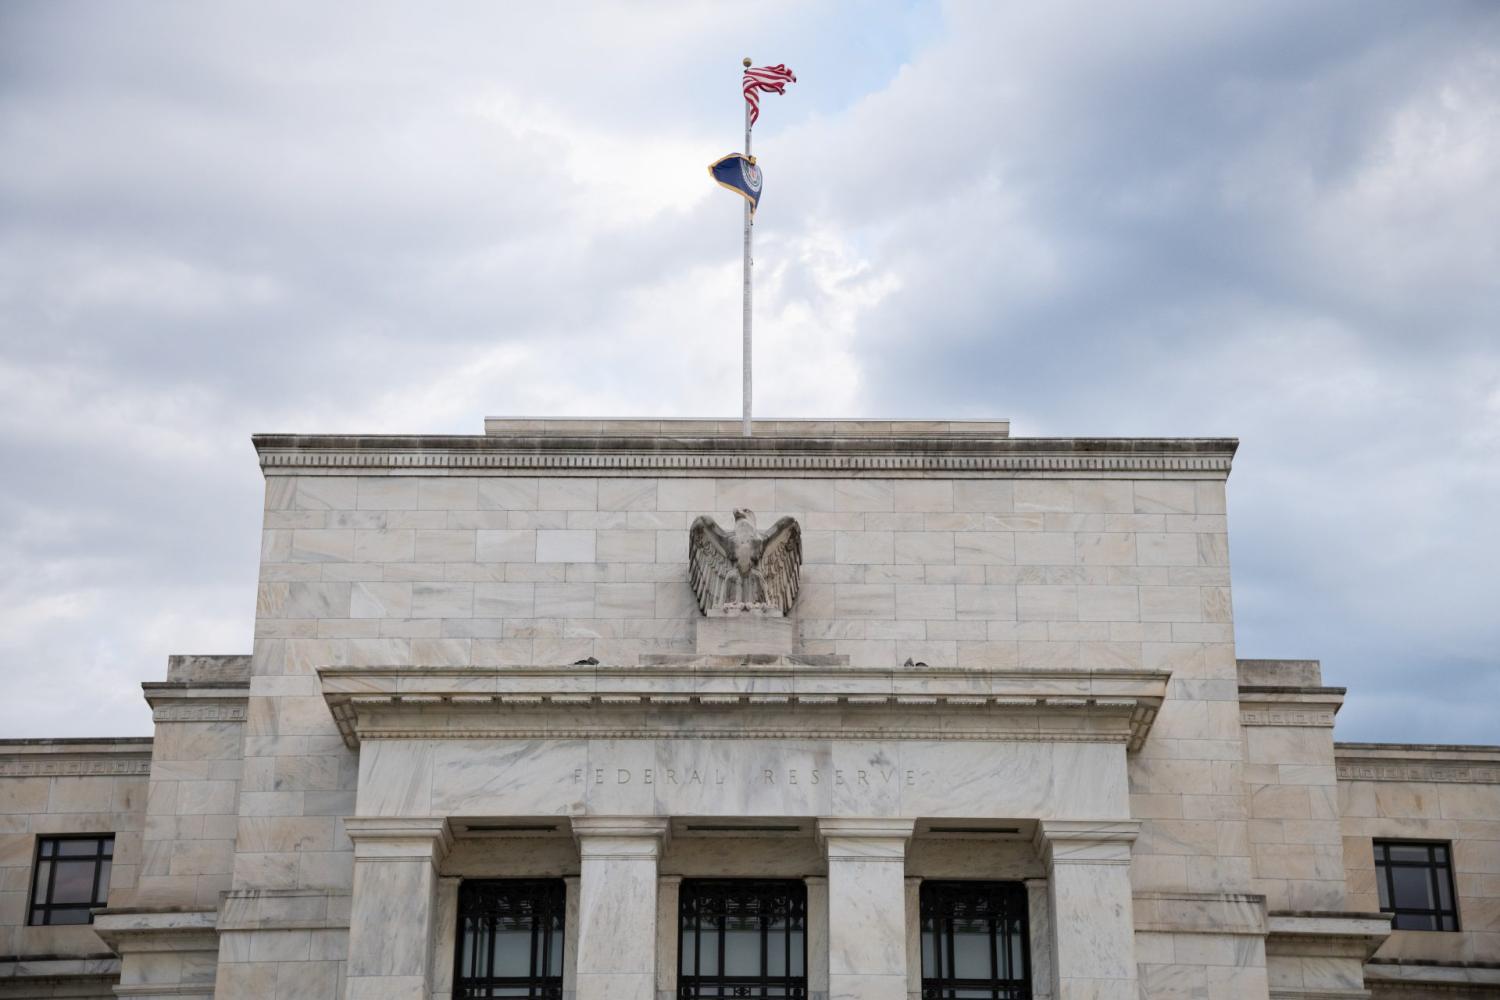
{"x":781,"y":563}
{"x":710,"y":562}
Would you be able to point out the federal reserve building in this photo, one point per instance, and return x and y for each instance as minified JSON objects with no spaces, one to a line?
{"x":649,"y":709}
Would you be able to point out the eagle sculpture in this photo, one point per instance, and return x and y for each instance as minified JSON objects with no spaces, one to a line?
{"x":744,"y":569}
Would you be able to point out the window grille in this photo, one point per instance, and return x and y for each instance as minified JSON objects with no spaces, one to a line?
{"x":1415,"y":883}
{"x":510,"y":939}
{"x":975,"y":942}
{"x":742,"y":938}
{"x":70,"y":878}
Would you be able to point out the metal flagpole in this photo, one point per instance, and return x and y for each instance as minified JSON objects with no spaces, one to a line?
{"x":749,"y":221}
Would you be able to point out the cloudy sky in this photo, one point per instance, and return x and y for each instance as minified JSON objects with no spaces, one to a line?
{"x":1277,"y":221}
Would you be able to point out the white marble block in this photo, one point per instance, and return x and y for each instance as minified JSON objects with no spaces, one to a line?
{"x":742,"y":634}
{"x":617,"y":906}
{"x":394,"y":909}
{"x":866,"y":907}
{"x":1093,"y":924}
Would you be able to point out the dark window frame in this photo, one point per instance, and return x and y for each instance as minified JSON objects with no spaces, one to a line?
{"x":1005,"y":906}
{"x":545,"y":902}
{"x":769,"y":900}
{"x":1439,"y":868}
{"x":47,"y":852}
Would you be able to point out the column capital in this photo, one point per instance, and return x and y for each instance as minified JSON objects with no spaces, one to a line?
{"x":1068,"y":841}
{"x":400,"y":838}
{"x":873,"y":827}
{"x":621,"y":836}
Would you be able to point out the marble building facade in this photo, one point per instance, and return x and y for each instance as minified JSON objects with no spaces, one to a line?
{"x":1005,"y":713}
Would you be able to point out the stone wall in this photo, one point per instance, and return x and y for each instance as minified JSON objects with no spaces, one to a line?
{"x":1446,"y":793}
{"x":1296,"y":843}
{"x":196,"y":764}
{"x":65,"y":787}
{"x":1099,"y":555}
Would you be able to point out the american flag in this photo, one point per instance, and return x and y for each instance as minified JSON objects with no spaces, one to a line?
{"x":771,"y":79}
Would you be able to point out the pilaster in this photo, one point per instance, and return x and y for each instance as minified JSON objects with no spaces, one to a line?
{"x":817,"y":937}
{"x":667,"y":935}
{"x":1039,"y":917}
{"x":617,"y":905}
{"x":866,"y":907}
{"x":1093,"y":933}
{"x":570,"y":935}
{"x":913,"y":936}
{"x":395,"y":913}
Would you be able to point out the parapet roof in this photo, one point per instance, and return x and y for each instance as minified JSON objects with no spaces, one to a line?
{"x":589,"y":446}
{"x":708,"y":427}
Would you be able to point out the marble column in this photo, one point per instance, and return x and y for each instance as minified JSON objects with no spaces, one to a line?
{"x":1093,"y":929}
{"x":394,"y":909}
{"x":617,"y":906}
{"x":1039,"y":917}
{"x":866,"y":907}
{"x":817,"y":937}
{"x":668,"y":888}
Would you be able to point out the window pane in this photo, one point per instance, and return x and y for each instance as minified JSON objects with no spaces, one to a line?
{"x":1414,"y":922}
{"x":1017,"y":964}
{"x":78,"y":916}
{"x":43,"y":879}
{"x":776,"y":954}
{"x":1380,"y":887}
{"x":1413,"y":888}
{"x":1445,"y":895}
{"x":929,"y":955}
{"x":799,"y":949}
{"x":708,"y":948}
{"x":971,"y":949}
{"x":73,"y":882}
{"x":512,"y":950}
{"x":104,"y":873}
{"x":77,"y":848}
{"x":554,"y":958}
{"x":1408,"y":852}
{"x":741,"y":946}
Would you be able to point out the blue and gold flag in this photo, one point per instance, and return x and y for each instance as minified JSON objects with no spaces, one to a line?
{"x":738,"y":173}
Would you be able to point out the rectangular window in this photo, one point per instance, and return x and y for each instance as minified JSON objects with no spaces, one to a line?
{"x":742,"y":938}
{"x":975,"y":943}
{"x":70,"y":878}
{"x":1415,"y":883}
{"x":510,"y":939}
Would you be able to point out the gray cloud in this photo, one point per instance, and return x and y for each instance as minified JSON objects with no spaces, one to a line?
{"x":1276,"y":222}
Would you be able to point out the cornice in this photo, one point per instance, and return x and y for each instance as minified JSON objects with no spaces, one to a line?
{"x":932,"y":455}
{"x":164,"y":929}
{"x":177,"y":701}
{"x":1422,"y":762}
{"x":707,"y":698}
{"x":1296,"y":707}
{"x":1326,"y":934}
{"x":82,"y":758}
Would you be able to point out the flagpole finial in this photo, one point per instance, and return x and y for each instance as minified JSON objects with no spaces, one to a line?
{"x":746,"y":61}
